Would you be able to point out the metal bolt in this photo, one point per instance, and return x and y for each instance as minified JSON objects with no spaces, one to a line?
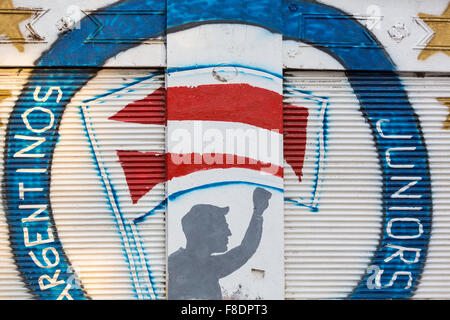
{"x":65,"y":24}
{"x":398,"y":32}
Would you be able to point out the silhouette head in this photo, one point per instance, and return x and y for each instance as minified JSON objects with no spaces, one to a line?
{"x":205,"y":227}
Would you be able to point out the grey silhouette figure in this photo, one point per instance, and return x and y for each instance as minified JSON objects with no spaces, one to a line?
{"x":194,"y":271}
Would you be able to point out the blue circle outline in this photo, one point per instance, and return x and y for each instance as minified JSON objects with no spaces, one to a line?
{"x":369,"y":62}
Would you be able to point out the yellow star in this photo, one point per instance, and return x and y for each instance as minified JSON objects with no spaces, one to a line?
{"x":440,"y":42}
{"x":446,"y":101}
{"x":3,"y":95}
{"x":10,"y":18}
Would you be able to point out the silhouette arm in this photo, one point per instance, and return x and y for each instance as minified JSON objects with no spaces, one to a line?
{"x":235,"y":258}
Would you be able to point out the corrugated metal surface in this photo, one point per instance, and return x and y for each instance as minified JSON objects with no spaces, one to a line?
{"x":330,"y":246}
{"x":93,"y":229}
{"x":429,"y":95}
{"x":333,"y":182}
{"x":11,"y":285}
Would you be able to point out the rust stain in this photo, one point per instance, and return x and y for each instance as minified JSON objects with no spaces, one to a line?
{"x":10,"y":18}
{"x":440,"y":42}
{"x":3,"y":95}
{"x":446,"y":102}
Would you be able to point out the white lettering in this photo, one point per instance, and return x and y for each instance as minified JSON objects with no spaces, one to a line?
{"x":39,"y":239}
{"x":414,"y":220}
{"x":381,"y":133}
{"x":52,"y":282}
{"x":22,"y":153}
{"x":398,"y":166}
{"x":22,"y":190}
{"x":41,"y":130}
{"x":33,"y":218}
{"x":400,"y":253}
{"x":49,"y":264}
{"x":398,"y":194}
{"x":65,"y":293}
{"x":47,"y":95}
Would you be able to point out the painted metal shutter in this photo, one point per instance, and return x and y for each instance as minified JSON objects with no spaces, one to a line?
{"x":333,"y":216}
{"x":11,"y":285}
{"x":110,"y":146}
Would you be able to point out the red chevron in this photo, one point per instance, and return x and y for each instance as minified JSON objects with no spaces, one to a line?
{"x":144,"y":170}
{"x":149,"y":110}
{"x":295,"y":124}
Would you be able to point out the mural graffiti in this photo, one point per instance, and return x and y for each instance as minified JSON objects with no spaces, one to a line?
{"x":207,"y":149}
{"x":193,"y":271}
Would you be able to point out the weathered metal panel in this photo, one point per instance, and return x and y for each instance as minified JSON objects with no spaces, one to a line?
{"x":82,"y":33}
{"x":429,"y":97}
{"x":98,"y":233}
{"x":357,"y":170}
{"x":414,"y":34}
{"x":86,"y":160}
{"x":12,"y":287}
{"x":225,"y":227}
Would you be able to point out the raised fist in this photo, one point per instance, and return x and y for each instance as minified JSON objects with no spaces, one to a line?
{"x":261,"y":199}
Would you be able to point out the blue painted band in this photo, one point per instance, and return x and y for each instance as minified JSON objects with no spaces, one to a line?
{"x":25,"y":191}
{"x":395,"y":125}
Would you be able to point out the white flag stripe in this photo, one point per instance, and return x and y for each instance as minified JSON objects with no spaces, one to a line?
{"x":222,"y":137}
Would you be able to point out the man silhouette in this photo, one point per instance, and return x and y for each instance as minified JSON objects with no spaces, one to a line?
{"x":194,"y":271}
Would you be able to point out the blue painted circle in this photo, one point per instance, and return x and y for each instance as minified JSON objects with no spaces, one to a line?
{"x":331,"y":36}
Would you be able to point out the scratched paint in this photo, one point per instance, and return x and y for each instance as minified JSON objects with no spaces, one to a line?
{"x":100,"y":166}
{"x":10,"y":20}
